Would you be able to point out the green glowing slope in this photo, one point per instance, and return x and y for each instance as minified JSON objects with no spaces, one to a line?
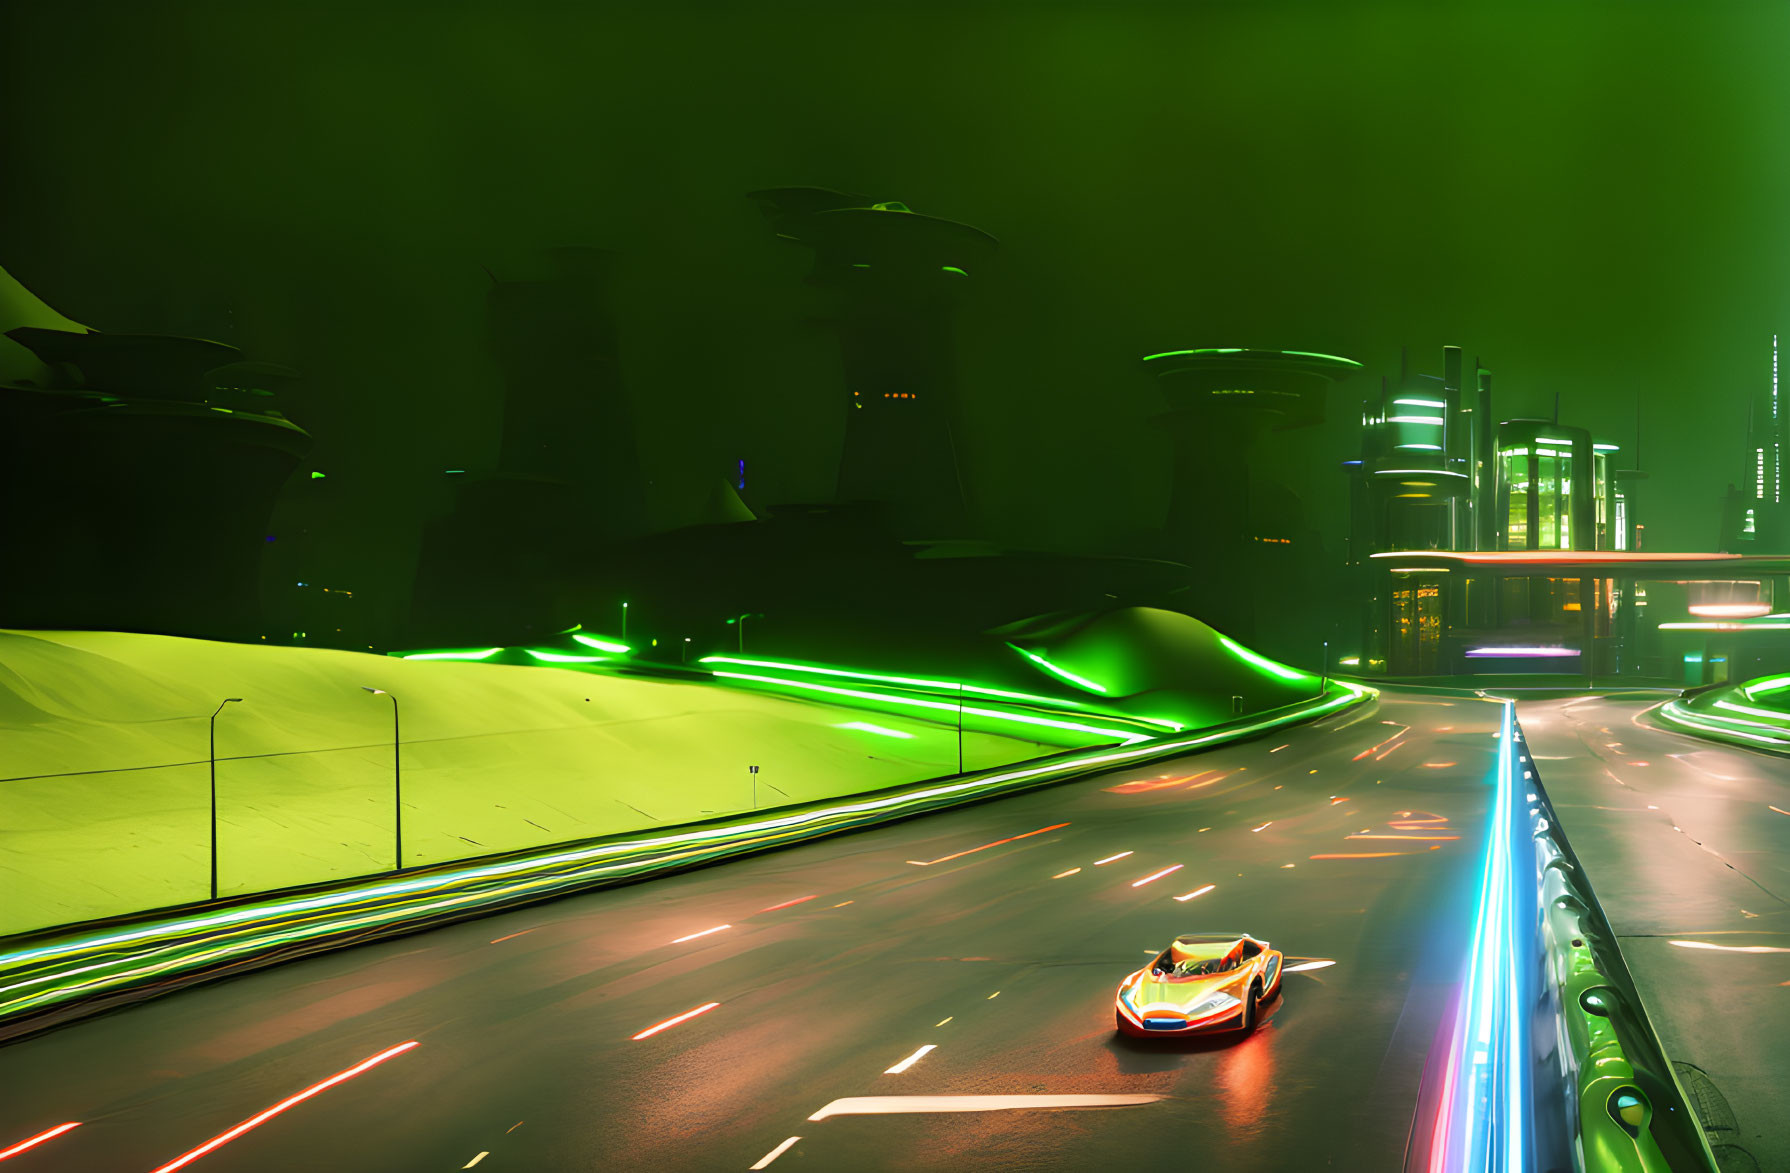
{"x":104,"y":766}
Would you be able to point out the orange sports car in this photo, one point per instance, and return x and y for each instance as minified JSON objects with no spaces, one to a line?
{"x":1200,"y":983}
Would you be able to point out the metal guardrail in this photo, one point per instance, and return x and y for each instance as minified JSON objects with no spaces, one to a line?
{"x":1548,"y":1062}
{"x":52,"y":977}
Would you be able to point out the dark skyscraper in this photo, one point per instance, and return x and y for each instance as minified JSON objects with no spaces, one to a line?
{"x":896,"y":277}
{"x":1221,"y":403}
{"x":520,"y":537}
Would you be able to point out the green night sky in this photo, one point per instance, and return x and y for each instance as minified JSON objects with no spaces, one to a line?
{"x":1591,"y":197}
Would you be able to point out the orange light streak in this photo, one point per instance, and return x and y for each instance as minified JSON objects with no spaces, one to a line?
{"x":511,"y":937}
{"x":1779,"y":809}
{"x":1439,"y":765}
{"x":959,"y":855}
{"x":33,"y":1141}
{"x":1360,"y":854}
{"x":1269,"y":823}
{"x":1336,"y":798}
{"x":1403,"y":836}
{"x":789,"y":903}
{"x":1196,"y":892}
{"x":1111,"y":858}
{"x":224,"y":1138}
{"x":1070,"y":872}
{"x":650,"y":1031}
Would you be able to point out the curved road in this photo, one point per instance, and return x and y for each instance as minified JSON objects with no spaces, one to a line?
{"x":994,"y":935}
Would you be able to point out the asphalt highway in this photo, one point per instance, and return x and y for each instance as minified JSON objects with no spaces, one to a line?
{"x":976,"y":951}
{"x":1687,"y":844}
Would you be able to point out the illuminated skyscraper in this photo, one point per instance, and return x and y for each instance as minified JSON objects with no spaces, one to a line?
{"x":1754,"y":516}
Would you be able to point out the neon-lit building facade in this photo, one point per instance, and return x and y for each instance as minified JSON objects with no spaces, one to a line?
{"x":1440,"y":472}
{"x":1754,"y":517}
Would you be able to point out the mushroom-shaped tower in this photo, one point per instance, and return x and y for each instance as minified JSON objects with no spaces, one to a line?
{"x":1221,"y":401}
{"x":896,"y":277}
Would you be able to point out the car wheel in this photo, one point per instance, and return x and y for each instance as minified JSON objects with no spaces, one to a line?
{"x":1120,"y":1024}
{"x":1249,"y":1009}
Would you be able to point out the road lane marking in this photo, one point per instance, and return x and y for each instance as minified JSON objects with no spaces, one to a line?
{"x":704,"y":933}
{"x":775,"y":1153}
{"x":1730,"y":948}
{"x":926,"y":863}
{"x":1278,"y":748}
{"x":32,"y":1142}
{"x":1111,"y":858}
{"x":1269,"y":823}
{"x":511,"y":937}
{"x":475,"y":1160}
{"x":255,"y":1121}
{"x":1196,"y":892}
{"x":992,"y":996}
{"x":650,"y":1031}
{"x":1171,"y":869}
{"x":894,"y":1105}
{"x":906,"y":1063}
{"x":1070,"y":872}
{"x":514,"y":1127}
{"x":942,"y":1021}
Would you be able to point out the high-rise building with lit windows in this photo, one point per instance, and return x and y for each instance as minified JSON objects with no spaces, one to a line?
{"x":1755,"y":517}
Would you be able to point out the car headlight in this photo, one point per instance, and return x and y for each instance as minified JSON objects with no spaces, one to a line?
{"x":1214,"y":1003}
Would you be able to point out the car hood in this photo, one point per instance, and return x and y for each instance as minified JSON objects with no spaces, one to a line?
{"x":1181,"y":993}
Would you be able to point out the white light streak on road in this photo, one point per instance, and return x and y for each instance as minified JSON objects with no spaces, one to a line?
{"x":908,"y":1062}
{"x":895,"y":1105}
{"x":1730,"y":948}
{"x":704,"y":933}
{"x":776,"y":1152}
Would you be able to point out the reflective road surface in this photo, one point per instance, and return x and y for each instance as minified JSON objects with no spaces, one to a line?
{"x":976,"y":951}
{"x":1687,"y":844}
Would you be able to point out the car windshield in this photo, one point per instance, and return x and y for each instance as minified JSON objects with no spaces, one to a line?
{"x":1200,"y":967}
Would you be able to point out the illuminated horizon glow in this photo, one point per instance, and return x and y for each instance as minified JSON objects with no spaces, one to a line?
{"x":1721,"y":625}
{"x":244,"y":931}
{"x":1553,"y":557}
{"x":1437,"y":403}
{"x":563,"y":657}
{"x":1432,"y":420}
{"x":260,"y":1118}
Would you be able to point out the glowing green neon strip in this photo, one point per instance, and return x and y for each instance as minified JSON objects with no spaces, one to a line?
{"x":1245,"y":350}
{"x":819,"y":821}
{"x":485,"y":654}
{"x":881,"y":731}
{"x":1769,"y":684}
{"x":1059,"y":670}
{"x":1773,"y":714}
{"x":1675,"y":712}
{"x":954,"y":269}
{"x":602,"y":645}
{"x":1261,"y":661}
{"x":942,"y":706}
{"x":939,"y":685}
{"x":562,"y":658}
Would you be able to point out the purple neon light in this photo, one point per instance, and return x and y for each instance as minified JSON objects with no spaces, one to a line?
{"x":1535,"y":653}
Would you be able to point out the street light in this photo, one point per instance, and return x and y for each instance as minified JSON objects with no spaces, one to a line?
{"x":624,"y":623}
{"x":397,"y":780}
{"x":229,"y":700}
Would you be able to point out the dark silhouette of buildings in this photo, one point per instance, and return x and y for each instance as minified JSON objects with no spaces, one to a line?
{"x":137,"y":474}
{"x":1245,"y":541}
{"x":503,"y":561}
{"x":896,"y":277}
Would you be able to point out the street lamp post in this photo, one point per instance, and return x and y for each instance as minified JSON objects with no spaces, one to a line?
{"x":229,"y":700}
{"x":397,"y":781}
